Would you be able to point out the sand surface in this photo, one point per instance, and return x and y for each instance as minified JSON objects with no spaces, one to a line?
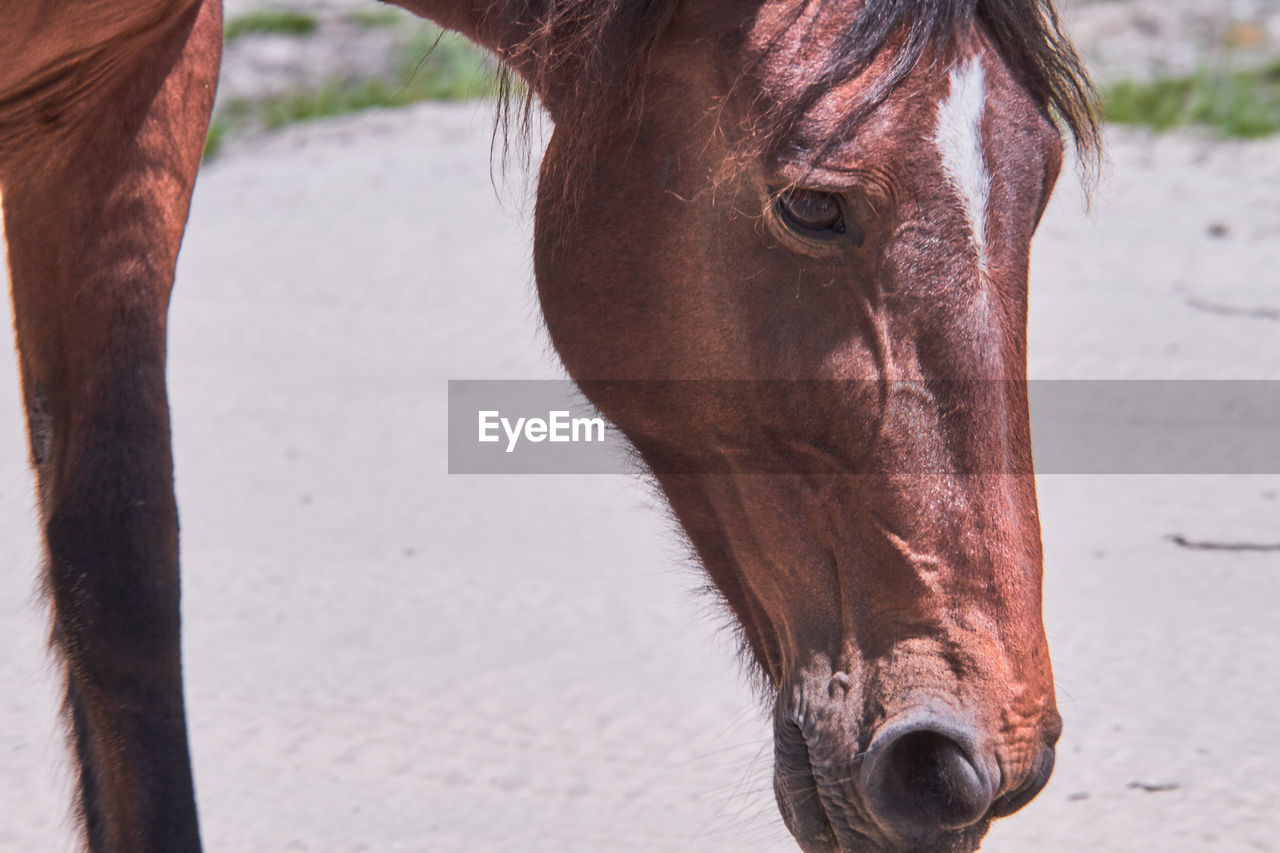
{"x":381,"y":656}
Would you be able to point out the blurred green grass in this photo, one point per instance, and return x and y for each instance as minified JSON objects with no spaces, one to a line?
{"x":373,"y":18}
{"x":269,"y":21}
{"x":431,"y":65}
{"x":1237,"y":104}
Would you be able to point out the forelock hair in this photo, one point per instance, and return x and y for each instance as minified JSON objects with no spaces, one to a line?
{"x":591,"y":57}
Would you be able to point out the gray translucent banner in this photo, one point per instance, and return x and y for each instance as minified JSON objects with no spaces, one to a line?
{"x":1077,"y":426}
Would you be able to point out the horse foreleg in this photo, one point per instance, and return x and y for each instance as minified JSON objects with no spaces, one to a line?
{"x":94,"y":214}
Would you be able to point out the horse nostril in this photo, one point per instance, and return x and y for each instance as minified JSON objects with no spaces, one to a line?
{"x":921,"y":781}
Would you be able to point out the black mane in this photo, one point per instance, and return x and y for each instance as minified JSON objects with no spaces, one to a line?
{"x":592,"y":55}
{"x":1027,"y":34}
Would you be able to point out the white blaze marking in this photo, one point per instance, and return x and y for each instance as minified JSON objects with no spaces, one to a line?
{"x":959,"y":139}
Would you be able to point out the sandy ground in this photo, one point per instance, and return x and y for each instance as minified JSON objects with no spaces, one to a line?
{"x":381,"y":656}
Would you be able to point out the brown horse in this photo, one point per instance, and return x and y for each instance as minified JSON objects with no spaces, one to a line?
{"x":782,"y":190}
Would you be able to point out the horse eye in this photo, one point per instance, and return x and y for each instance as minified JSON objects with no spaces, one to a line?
{"x":811,"y":211}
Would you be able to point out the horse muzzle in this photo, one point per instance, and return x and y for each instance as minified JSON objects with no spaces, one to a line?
{"x":927,"y":782}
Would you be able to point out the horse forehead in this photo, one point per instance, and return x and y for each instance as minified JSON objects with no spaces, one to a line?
{"x":790,"y":43}
{"x":799,"y":30}
{"x":948,"y":117}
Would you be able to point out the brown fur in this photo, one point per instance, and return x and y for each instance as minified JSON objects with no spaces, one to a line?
{"x":103,"y":111}
{"x":840,"y":427}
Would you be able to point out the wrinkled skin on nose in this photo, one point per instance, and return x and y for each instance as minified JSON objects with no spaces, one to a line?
{"x":925,"y":782}
{"x":840,"y":425}
{"x":915,"y":698}
{"x":930,"y":776}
